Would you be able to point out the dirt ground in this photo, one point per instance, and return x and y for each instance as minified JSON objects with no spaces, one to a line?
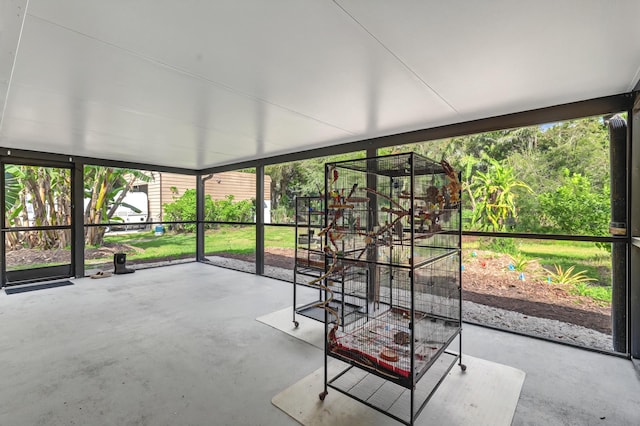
{"x":486,"y":279}
{"x":26,"y":256}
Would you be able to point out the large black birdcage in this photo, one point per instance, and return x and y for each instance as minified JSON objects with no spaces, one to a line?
{"x":395,"y":222}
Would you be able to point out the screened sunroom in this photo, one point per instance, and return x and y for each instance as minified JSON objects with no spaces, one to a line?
{"x":179,"y":135}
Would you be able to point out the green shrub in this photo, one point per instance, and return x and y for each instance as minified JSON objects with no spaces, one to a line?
{"x":501,"y":245}
{"x":183,"y":209}
{"x":229,"y":211}
{"x":576,"y":208}
{"x":595,"y":292}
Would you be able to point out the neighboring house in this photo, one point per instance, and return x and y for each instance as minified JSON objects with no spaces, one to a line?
{"x":164,"y":188}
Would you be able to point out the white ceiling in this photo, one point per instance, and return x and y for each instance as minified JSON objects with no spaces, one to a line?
{"x":197,"y":83}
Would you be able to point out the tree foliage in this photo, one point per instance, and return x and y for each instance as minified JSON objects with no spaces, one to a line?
{"x":37,"y":196}
{"x":41,"y":196}
{"x":105,"y":189}
{"x":298,"y":178}
{"x":183,"y":209}
{"x":551,"y":179}
{"x":506,"y":175}
{"x":575,"y":207}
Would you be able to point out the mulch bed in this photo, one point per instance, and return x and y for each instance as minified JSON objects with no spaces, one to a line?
{"x":486,"y":280}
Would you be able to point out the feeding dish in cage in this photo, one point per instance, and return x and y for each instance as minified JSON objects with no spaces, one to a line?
{"x":389,"y":355}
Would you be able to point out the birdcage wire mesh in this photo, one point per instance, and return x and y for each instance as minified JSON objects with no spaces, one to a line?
{"x":395,"y":219}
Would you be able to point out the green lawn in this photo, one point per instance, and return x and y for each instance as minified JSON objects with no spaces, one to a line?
{"x":596,"y":263}
{"x":230,"y":239}
{"x":225,"y":239}
{"x":241,"y":240}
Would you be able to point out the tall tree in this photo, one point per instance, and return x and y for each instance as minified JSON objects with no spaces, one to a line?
{"x":581,"y":146}
{"x":37,"y":196}
{"x":105,"y":189}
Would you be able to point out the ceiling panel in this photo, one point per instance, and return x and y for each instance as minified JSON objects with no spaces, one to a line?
{"x":305,"y":56}
{"x":109,"y":91}
{"x":503,"y":56}
{"x":12,"y":13}
{"x":197,"y":84}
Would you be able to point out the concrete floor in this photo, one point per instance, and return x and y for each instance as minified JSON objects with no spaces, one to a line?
{"x":179,"y":345}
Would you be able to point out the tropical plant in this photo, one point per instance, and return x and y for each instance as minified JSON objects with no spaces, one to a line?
{"x":37,"y":196}
{"x":41,"y":196}
{"x":568,"y":276}
{"x":13,"y":204}
{"x":104,"y":190}
{"x":520,"y":262}
{"x":12,"y":186}
{"x":495,"y":194}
